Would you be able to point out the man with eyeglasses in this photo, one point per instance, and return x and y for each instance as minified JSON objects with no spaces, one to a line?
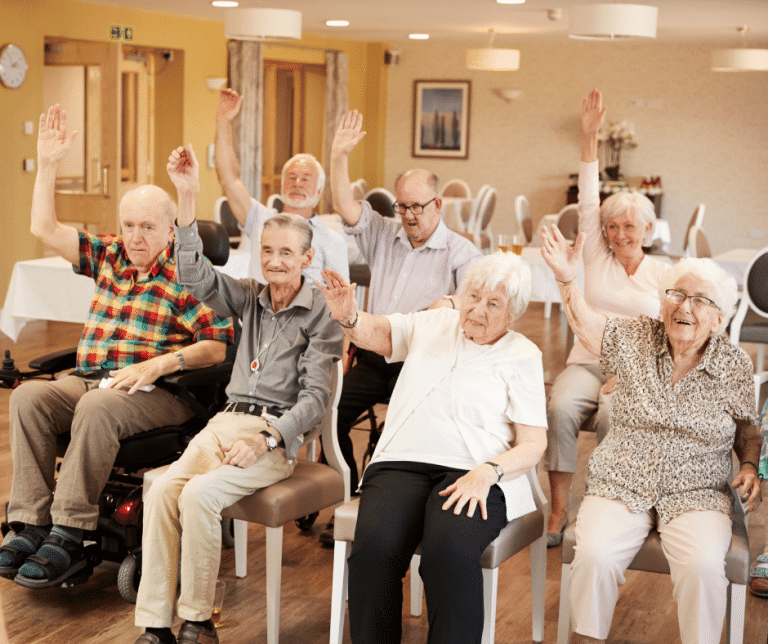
{"x":414,"y":266}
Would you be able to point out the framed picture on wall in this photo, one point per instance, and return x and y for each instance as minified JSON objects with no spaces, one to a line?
{"x":441,"y":119}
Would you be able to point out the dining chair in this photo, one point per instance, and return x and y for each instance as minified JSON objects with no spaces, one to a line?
{"x":312,"y":487}
{"x":528,"y":530}
{"x":222,"y":214}
{"x":750,"y":323}
{"x":359,"y":188}
{"x":650,"y":558}
{"x":696,"y":220}
{"x":698,"y":244}
{"x":523,"y":216}
{"x":456,"y":188}
{"x":275,"y":201}
{"x":382,"y":201}
{"x":568,"y":221}
{"x":483,"y":237}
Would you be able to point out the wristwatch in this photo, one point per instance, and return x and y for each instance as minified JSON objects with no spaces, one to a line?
{"x":271,"y":440}
{"x":497,"y":469}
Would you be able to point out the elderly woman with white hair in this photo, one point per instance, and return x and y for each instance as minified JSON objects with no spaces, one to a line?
{"x":684,"y":399}
{"x":465,"y":422}
{"x":620,"y":280}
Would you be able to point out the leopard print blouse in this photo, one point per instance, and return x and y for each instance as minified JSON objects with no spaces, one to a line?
{"x":669,"y":446}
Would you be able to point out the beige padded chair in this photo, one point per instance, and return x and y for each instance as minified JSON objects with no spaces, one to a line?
{"x":650,"y":558}
{"x":311,"y":488}
{"x":523,"y":216}
{"x":698,"y":244}
{"x":696,"y":220}
{"x":482,"y":235}
{"x":568,"y":221}
{"x":456,"y":188}
{"x":528,"y":530}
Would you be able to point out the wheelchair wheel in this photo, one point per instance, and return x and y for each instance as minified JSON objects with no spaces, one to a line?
{"x":227,"y":532}
{"x":305,"y":523}
{"x":128,"y":578}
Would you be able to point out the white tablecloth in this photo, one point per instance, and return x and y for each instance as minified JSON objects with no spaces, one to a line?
{"x":48,"y":289}
{"x":735,"y":262}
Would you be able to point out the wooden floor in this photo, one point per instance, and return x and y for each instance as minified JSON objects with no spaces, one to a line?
{"x":94,"y":613}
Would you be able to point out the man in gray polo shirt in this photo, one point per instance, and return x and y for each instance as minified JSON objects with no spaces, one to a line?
{"x":416,"y":263}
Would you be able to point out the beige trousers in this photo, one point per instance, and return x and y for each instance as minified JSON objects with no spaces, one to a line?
{"x":608,"y":536}
{"x":97,"y":419}
{"x":182,"y":519}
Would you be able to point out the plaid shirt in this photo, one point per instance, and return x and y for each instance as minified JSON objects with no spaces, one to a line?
{"x":130,"y":321}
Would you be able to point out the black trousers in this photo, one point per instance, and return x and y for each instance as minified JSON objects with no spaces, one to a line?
{"x":400,"y":508}
{"x":367,"y":383}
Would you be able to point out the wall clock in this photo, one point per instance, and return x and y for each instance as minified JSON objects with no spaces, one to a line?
{"x":13,"y":66}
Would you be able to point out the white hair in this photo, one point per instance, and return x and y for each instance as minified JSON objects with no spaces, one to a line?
{"x":726,"y":292}
{"x":501,"y":269}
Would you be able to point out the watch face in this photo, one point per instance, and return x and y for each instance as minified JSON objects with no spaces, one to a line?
{"x":13,"y":66}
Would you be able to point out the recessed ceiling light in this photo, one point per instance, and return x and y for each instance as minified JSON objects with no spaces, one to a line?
{"x":418,"y":36}
{"x":337,"y":23}
{"x":224,"y":3}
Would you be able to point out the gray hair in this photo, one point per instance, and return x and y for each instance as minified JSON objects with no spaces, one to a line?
{"x":726,"y":291}
{"x":297,"y":222}
{"x":501,"y":269}
{"x":307,"y":158}
{"x":152,"y":197}
{"x":634,"y":202}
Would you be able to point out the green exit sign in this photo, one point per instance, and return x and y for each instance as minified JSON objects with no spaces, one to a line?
{"x":118,"y":32}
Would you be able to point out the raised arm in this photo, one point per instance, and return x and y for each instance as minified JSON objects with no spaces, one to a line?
{"x":592,"y":117}
{"x":347,"y":137}
{"x":184,"y":171}
{"x":52,"y":144}
{"x":587,"y":325}
{"x":372,"y":332}
{"x":227,"y":166}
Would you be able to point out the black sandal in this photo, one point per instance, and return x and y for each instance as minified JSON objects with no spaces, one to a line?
{"x":19,"y":556}
{"x":56,"y":574}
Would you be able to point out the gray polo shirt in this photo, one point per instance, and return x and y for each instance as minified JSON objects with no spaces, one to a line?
{"x":405,"y":279}
{"x":295,"y":347}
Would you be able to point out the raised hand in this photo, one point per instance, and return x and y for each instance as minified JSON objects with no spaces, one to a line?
{"x":592,"y":113}
{"x":340,"y":296}
{"x":52,"y":140}
{"x":184,"y":170}
{"x":229,"y":105}
{"x":348,"y":135}
{"x":560,"y":257}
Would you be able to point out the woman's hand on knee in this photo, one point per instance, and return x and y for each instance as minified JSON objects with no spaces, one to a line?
{"x":470,"y":490}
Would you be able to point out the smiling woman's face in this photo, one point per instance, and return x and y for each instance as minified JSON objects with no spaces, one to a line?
{"x":484,"y":315}
{"x":687,"y":325}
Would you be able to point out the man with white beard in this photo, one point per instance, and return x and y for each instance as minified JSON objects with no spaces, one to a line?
{"x":302,"y":184}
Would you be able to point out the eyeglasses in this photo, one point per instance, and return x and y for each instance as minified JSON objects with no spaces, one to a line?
{"x":415,"y":208}
{"x":697,"y":301}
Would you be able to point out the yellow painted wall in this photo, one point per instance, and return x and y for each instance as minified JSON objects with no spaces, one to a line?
{"x":27,"y":22}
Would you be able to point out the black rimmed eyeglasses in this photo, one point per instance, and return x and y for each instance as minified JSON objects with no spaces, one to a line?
{"x":697,"y":301}
{"x":415,"y":208}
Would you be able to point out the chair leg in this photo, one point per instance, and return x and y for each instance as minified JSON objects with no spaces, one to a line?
{"x":490,"y":590}
{"x":341,"y":550}
{"x":564,"y":618}
{"x":538,"y":581}
{"x":416,"y":586}
{"x":274,"y":570}
{"x":760,"y":357}
{"x":547,"y":309}
{"x":735,"y":613}
{"x":241,"y":547}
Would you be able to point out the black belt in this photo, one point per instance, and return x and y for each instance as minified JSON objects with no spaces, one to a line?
{"x":98,"y":374}
{"x":253,"y":409}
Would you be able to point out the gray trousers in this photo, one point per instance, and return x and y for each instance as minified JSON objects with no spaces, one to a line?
{"x":97,"y":419}
{"x":574,"y":397}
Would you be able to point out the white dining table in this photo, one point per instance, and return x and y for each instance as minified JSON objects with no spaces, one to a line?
{"x":735,"y":262}
{"x":48,"y":289}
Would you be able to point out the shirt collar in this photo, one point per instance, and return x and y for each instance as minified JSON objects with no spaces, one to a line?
{"x":709,"y":362}
{"x":303,"y":298}
{"x":127,"y":269}
{"x":438,"y":239}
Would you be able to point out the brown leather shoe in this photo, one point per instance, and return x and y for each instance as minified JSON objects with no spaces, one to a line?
{"x":195,"y":634}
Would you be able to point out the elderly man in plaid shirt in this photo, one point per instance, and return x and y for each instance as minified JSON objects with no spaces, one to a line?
{"x":141,"y":326}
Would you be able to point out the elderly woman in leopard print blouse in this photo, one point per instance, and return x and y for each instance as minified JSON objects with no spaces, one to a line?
{"x":684,"y":399}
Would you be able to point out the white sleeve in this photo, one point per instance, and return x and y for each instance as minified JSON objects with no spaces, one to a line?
{"x":403,"y":327}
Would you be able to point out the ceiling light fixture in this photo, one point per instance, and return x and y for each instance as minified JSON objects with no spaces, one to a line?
{"x":740,"y":60}
{"x":418,"y":36}
{"x":262,"y":24}
{"x":510,"y":1}
{"x":224,"y":3}
{"x":613,"y":21}
{"x":493,"y":59}
{"x":337,"y":23}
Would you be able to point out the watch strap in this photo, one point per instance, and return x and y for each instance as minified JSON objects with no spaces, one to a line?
{"x":497,"y":468}
{"x":271,"y":440}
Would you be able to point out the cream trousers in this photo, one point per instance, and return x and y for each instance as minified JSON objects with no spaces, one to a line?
{"x":182,"y":519}
{"x":608,"y":536}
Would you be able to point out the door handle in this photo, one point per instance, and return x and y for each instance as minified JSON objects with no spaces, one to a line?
{"x":104,"y":182}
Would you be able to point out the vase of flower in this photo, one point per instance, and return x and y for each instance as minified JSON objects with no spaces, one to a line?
{"x":617,"y":137}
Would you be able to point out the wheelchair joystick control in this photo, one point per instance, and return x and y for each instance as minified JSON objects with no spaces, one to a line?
{"x":9,"y":375}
